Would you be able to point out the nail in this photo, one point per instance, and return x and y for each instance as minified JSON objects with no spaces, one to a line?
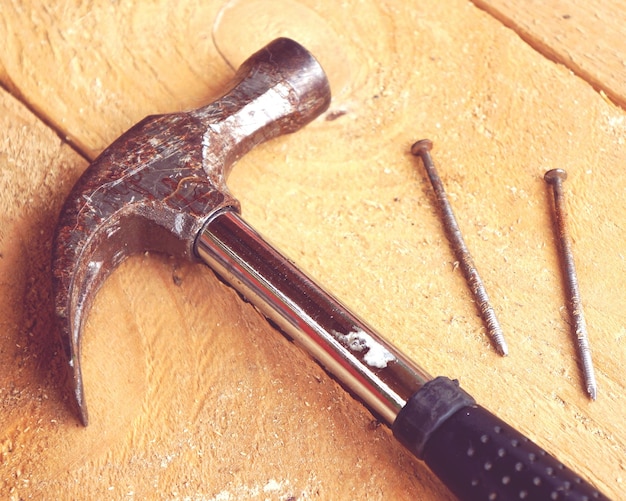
{"x":555,"y":178}
{"x":422,"y":149}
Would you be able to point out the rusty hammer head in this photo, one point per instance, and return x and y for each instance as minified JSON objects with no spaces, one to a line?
{"x":155,"y":187}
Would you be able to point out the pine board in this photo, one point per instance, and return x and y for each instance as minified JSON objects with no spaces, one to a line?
{"x":192,"y":394}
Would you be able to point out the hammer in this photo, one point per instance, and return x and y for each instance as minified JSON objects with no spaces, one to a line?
{"x":161,"y":187}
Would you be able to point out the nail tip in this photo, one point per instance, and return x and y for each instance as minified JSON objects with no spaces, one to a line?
{"x":500,"y":344}
{"x":593,"y":392}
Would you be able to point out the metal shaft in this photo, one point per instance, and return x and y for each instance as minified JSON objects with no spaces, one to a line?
{"x":347,"y":347}
{"x":453,"y":232}
{"x":555,"y":178}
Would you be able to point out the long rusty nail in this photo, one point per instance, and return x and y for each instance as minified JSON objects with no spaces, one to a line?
{"x":422,"y":149}
{"x":555,"y":178}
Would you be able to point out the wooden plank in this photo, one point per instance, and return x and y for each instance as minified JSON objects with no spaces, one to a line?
{"x":37,"y":171}
{"x":192,"y":394}
{"x":587,"y":37}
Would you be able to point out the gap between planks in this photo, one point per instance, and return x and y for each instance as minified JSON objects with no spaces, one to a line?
{"x":586,"y":38}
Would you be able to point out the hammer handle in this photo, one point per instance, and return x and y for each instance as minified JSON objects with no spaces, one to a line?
{"x":479,"y":456}
{"x":344,"y":344}
{"x":473,"y":452}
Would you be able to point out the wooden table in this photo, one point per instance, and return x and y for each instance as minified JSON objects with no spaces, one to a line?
{"x":192,"y":394}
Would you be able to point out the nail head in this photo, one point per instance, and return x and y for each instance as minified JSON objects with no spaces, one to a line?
{"x":421,"y":146}
{"x":555,"y":174}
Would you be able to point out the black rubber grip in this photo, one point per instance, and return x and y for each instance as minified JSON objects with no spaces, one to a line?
{"x":477,"y":455}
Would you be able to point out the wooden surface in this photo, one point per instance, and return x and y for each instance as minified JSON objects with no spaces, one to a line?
{"x":192,"y":394}
{"x":586,"y":37}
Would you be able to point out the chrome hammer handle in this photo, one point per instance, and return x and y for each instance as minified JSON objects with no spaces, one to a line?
{"x":345,"y":345}
{"x":473,"y":452}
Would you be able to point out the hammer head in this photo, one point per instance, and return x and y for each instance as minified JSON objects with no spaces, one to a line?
{"x":156,"y":186}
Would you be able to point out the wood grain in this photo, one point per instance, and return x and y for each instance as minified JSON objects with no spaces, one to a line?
{"x":192,"y":394}
{"x":37,"y":171}
{"x":587,"y":38}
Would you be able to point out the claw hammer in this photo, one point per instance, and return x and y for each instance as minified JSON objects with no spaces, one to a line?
{"x":161,"y":187}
